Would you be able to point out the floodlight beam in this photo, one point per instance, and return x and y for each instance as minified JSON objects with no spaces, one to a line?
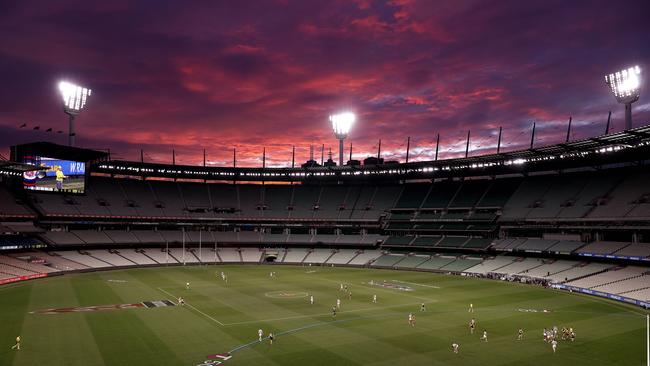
{"x":625,"y":86}
{"x":342,"y":123}
{"x":74,"y":100}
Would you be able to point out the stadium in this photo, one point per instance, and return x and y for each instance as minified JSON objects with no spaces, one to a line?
{"x":527,"y":256}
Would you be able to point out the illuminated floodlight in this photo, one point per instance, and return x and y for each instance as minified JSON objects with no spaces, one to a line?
{"x":625,"y":85}
{"x":342,"y":123}
{"x":74,"y":100}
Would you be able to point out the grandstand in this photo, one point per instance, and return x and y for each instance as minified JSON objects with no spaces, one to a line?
{"x":473,"y":216}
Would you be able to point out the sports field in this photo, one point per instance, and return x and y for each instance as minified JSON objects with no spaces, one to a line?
{"x":221,"y":317}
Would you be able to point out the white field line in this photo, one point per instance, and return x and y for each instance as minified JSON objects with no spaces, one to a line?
{"x":322,"y":314}
{"x":192,"y":307}
{"x":402,"y":293}
{"x":417,"y":284}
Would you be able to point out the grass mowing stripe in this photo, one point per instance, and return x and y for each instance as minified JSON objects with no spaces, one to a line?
{"x":12,"y":318}
{"x":120,"y":335}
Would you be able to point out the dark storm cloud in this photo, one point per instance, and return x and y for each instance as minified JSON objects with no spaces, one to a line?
{"x":204,"y":74}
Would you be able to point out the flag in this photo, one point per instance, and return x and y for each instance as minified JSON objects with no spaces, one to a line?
{"x":49,"y":130}
{"x":59,"y":131}
{"x":23,"y":125}
{"x":37,"y":128}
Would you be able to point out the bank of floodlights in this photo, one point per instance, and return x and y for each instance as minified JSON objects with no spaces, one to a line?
{"x":74,"y":100}
{"x":342,"y":123}
{"x":625,"y":85}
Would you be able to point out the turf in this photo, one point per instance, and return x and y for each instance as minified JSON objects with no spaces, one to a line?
{"x":222,"y":317}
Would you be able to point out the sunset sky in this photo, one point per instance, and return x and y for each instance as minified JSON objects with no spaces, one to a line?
{"x":215,"y":74}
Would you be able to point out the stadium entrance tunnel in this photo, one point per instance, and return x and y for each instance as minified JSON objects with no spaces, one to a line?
{"x":270,"y":257}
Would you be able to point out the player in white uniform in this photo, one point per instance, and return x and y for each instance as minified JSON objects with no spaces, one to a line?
{"x":260,"y":334}
{"x":520,"y":334}
{"x":472,"y":325}
{"x":187,"y":286}
{"x":554,"y":345}
{"x":411,"y":319}
{"x":270,"y":338}
{"x":311,"y":299}
{"x":471,"y":308}
{"x":484,"y":337}
{"x":338,"y":303}
{"x":454,"y":347}
{"x":374,"y":299}
{"x":423,"y":308}
{"x":17,"y":345}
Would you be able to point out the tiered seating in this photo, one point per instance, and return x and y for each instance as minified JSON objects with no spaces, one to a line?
{"x":84,"y":259}
{"x":620,"y":201}
{"x":24,"y":264}
{"x":460,"y":264}
{"x":366,"y":256}
{"x":62,"y":238}
{"x":631,"y":284}
{"x":535,"y":245}
{"x":643,"y":294}
{"x":112,"y":258}
{"x":635,"y":250}
{"x":452,"y":242}
{"x":137,"y":257}
{"x":207,"y":255}
{"x":388,"y":260}
{"x":579,"y":270}
{"x":61,"y":263}
{"x":93,"y":237}
{"x":610,"y":276}
{"x":295,"y":255}
{"x":441,"y":194}
{"x":398,"y":240}
{"x":160,"y":256}
{"x":412,"y":261}
{"x":426,"y":241}
{"x":342,"y":256}
{"x":412,"y":196}
{"x":565,"y":246}
{"x":602,"y":247}
{"x":436,"y":262}
{"x":499,"y":192}
{"x":469,"y":193}
{"x":229,"y":255}
{"x":520,"y":266}
{"x":550,"y":267}
{"x":477,"y":243}
{"x":14,"y":271}
{"x":318,"y":256}
{"x":251,"y":255}
{"x":9,"y":207}
{"x":188,"y":256}
{"x":491,"y":265}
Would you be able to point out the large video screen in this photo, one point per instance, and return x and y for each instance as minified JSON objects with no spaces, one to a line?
{"x":58,"y":176}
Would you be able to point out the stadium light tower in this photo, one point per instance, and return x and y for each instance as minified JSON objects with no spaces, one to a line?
{"x":625,"y":87}
{"x":74,"y":100}
{"x":341,"y":123}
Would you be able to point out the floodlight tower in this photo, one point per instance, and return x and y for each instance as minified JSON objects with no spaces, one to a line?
{"x":625,"y":87}
{"x":74,"y":100}
{"x":342,"y":122}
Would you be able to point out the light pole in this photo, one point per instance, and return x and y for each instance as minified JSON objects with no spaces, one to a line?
{"x":74,"y":100}
{"x":341,"y":123}
{"x":624,"y":85}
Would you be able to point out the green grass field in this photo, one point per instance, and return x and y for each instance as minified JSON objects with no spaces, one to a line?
{"x":222,"y":317}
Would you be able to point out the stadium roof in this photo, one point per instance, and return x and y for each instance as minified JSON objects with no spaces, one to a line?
{"x":632,"y":146}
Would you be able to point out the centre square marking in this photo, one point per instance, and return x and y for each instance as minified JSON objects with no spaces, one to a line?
{"x":286,"y":294}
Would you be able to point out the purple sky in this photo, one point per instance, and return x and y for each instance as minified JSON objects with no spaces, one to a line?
{"x":190,"y":75}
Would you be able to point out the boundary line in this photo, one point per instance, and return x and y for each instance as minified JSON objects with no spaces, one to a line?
{"x":417,"y":284}
{"x":195,"y":309}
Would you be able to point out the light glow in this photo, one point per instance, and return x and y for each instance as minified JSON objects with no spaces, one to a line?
{"x":342,"y":123}
{"x":74,"y":96}
{"x":625,"y":84}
